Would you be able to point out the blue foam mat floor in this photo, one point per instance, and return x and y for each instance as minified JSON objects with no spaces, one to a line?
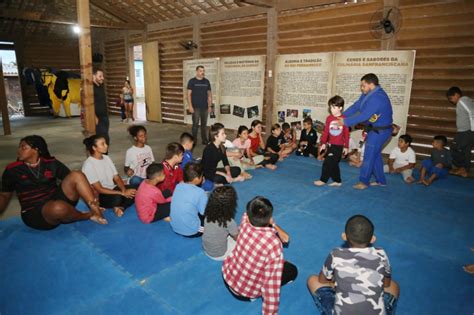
{"x":127,"y":267}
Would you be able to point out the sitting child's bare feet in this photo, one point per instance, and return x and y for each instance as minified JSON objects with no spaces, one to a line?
{"x":98,"y":219}
{"x":167,"y":219}
{"x":118,"y":211}
{"x":246,"y":175}
{"x":409,"y":180}
{"x":469,"y":268}
{"x":426,"y":182}
{"x":239,"y":178}
{"x":271,"y":167}
{"x":96,"y":212}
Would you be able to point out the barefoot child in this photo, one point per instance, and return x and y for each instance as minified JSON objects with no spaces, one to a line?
{"x":242,"y":142}
{"x":438,"y":164}
{"x":138,"y":157}
{"x":150,"y":204}
{"x":276,"y":143}
{"x":213,"y":153}
{"x":289,"y":135}
{"x":309,"y":137}
{"x":355,"y":279}
{"x":104,"y":178}
{"x":402,"y":159}
{"x":337,"y":139}
{"x":220,"y":229}
{"x":257,"y":146}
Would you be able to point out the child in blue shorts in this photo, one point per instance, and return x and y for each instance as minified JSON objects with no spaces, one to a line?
{"x":356,"y":279}
{"x":437,"y":166}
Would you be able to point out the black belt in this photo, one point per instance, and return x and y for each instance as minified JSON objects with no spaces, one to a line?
{"x":369,"y":128}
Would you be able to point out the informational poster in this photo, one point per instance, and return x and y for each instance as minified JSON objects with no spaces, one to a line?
{"x":395,"y":72}
{"x":211,"y":68}
{"x":305,"y":82}
{"x":241,"y":90}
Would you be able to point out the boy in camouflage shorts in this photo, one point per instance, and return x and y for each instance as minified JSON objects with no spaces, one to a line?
{"x":356,"y":279}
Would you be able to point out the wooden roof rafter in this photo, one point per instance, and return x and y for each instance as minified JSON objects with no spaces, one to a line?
{"x":173,"y":7}
{"x":37,"y":16}
{"x":113,"y":11}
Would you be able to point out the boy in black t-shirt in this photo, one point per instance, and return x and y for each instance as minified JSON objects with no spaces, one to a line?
{"x":276,"y":143}
{"x":308,"y":139}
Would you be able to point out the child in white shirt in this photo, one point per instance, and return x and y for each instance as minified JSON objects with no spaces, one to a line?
{"x":402,"y":159}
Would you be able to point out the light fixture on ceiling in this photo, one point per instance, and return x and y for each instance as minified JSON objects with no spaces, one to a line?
{"x":76,"y":29}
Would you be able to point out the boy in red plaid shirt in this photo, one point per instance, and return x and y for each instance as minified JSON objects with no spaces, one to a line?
{"x":256,"y":267}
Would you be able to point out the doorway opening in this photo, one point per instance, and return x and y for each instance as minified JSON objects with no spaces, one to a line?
{"x":11,"y":81}
{"x":139,"y":83}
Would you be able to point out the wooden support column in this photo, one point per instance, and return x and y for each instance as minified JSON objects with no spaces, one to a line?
{"x":4,"y":104}
{"x":197,"y":37}
{"x":390,"y":43}
{"x":272,"y":31}
{"x":85,"y":55}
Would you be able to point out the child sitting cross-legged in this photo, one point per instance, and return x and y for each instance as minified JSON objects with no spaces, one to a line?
{"x":173,"y":173}
{"x":289,"y":135}
{"x":188,"y":203}
{"x":402,"y":159}
{"x":187,"y":141}
{"x":308,"y":140}
{"x":256,"y":267}
{"x":149,"y":201}
{"x":355,"y":279}
{"x":438,"y":164}
{"x":220,"y":229}
{"x":139,"y":156}
{"x":276,"y":143}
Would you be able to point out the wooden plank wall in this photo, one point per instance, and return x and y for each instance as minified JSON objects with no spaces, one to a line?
{"x":442,"y":34}
{"x":239,"y":37}
{"x":172,"y":55}
{"x":116,"y":71}
{"x":42,"y":54}
{"x":335,"y":28}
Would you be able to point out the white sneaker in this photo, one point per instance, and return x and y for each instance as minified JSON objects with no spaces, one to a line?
{"x":335,"y":184}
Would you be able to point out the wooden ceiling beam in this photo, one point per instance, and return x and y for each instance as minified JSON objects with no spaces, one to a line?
{"x":114,"y":11}
{"x":259,"y":3}
{"x":38,"y":17}
{"x":208,"y":18}
{"x":283,"y":5}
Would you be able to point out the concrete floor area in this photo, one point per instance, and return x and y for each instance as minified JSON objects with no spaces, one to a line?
{"x":64,"y":139}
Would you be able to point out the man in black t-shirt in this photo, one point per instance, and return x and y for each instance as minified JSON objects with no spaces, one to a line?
{"x":100,"y":105}
{"x":199,"y":102}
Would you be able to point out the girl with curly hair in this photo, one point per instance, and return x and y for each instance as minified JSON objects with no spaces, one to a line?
{"x":220,"y":229}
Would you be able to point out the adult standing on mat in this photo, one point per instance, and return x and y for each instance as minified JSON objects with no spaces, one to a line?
{"x":374,"y":109}
{"x":100,"y":105}
{"x":199,"y":102}
{"x":463,"y":141}
{"x":44,"y":203}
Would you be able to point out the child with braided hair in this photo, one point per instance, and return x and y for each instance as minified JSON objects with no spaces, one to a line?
{"x":220,"y":229}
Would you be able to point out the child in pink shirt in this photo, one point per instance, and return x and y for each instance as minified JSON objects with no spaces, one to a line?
{"x":149,"y":201}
